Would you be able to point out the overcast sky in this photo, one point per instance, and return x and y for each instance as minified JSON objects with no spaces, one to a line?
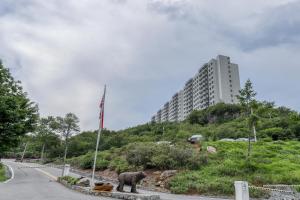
{"x":144,"y":50}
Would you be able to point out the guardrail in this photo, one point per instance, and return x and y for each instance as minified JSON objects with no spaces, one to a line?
{"x":242,"y":190}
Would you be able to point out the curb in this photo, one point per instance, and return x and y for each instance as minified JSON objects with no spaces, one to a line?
{"x":116,"y":195}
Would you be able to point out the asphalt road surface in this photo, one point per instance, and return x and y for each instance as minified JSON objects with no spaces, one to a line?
{"x":36,"y":182}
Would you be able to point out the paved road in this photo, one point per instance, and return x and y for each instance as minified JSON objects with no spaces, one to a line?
{"x":35,"y":184}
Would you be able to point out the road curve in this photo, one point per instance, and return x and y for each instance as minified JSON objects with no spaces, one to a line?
{"x":37,"y":183}
{"x":33,"y":184}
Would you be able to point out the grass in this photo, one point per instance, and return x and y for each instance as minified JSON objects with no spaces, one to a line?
{"x":269,"y":163}
{"x":2,"y":173}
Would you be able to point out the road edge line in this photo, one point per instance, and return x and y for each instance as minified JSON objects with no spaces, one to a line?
{"x":47,"y":174}
{"x":12,"y":173}
{"x":42,"y":171}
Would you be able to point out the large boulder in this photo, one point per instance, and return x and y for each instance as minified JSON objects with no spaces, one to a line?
{"x":211,"y":149}
{"x":168,"y":173}
{"x":83,"y":182}
{"x":164,"y":178}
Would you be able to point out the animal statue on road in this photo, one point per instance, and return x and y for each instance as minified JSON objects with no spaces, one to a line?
{"x":131,"y":179}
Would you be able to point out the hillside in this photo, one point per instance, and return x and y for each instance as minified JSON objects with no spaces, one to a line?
{"x":215,"y":123}
{"x":271,"y":162}
{"x":274,"y":159}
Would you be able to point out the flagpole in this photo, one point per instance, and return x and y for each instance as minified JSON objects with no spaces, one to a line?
{"x":96,"y":152}
{"x":98,"y":136}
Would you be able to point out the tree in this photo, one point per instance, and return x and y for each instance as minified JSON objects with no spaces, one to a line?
{"x":45,"y":134}
{"x":247,"y":100}
{"x":67,"y":127}
{"x":18,"y":115}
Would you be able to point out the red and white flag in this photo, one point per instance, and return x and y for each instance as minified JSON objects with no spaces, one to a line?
{"x":101,"y":117}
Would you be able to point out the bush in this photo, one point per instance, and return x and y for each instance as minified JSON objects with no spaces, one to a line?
{"x":163,"y":156}
{"x":2,"y":173}
{"x":71,"y":180}
{"x":163,"y":162}
{"x":140,"y":154}
{"x":119,"y":165}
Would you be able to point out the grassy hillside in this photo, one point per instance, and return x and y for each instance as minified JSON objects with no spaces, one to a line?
{"x":271,"y":162}
{"x":217,"y":122}
{"x":274,"y":158}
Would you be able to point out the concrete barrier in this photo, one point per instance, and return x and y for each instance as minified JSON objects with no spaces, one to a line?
{"x":66,"y":170}
{"x":241,"y":190}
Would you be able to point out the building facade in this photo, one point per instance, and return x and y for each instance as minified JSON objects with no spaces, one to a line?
{"x":216,"y":81}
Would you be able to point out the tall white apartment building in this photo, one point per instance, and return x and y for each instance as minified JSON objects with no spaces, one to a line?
{"x":216,"y":81}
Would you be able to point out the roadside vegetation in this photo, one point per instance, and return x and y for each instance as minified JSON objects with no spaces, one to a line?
{"x":69,"y":179}
{"x":2,"y":173}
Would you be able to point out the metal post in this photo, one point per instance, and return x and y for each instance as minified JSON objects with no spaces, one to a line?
{"x":241,"y":190}
{"x":96,"y":152}
{"x":42,"y":154}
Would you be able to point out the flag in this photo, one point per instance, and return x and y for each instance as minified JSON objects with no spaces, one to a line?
{"x":101,"y":117}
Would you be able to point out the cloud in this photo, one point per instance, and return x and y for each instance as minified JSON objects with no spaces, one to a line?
{"x":65,"y":51}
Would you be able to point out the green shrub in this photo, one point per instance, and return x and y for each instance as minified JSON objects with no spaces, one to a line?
{"x":163,"y":156}
{"x":2,"y":173}
{"x":163,"y":162}
{"x":119,"y":165}
{"x":140,"y":154}
{"x":255,"y":193}
{"x":71,"y":180}
{"x":102,"y":164}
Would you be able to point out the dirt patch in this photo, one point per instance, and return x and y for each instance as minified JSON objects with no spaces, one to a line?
{"x":155,"y":180}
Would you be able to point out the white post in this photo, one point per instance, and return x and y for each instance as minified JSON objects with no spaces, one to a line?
{"x":95,"y":157}
{"x":66,"y":170}
{"x":23,"y":154}
{"x":241,"y":190}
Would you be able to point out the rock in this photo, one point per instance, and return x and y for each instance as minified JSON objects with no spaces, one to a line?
{"x":103,"y":187}
{"x":168,"y":173}
{"x":157,"y":173}
{"x":211,"y":149}
{"x":158,"y":184}
{"x":83,"y":182}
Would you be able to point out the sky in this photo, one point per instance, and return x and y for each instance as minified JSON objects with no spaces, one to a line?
{"x":144,"y":50}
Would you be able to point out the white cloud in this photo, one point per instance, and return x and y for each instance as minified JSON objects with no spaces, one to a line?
{"x":65,"y":51}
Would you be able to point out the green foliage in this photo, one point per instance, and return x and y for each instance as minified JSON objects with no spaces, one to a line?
{"x":162,"y":156}
{"x":270,"y":117}
{"x":18,"y":114}
{"x":219,"y":113}
{"x":71,"y":180}
{"x":247,"y":95}
{"x":2,"y":173}
{"x":270,"y":163}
